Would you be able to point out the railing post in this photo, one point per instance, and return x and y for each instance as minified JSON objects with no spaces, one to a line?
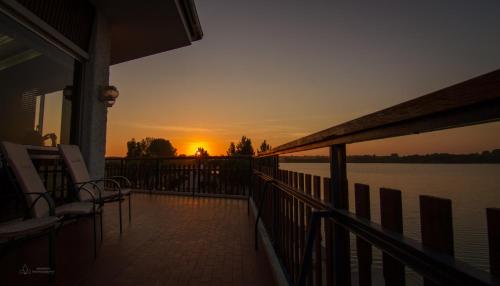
{"x":436,"y":224}
{"x":339,"y":187}
{"x":364,"y":249}
{"x":391,"y":218}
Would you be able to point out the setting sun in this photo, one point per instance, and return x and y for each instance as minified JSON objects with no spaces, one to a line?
{"x":192,"y":147}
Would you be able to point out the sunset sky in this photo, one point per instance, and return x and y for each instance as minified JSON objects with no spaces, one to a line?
{"x":279,"y":70}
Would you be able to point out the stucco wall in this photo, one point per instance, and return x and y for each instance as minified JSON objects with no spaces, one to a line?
{"x":93,"y":110}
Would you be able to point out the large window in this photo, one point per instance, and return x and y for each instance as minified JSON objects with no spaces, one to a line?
{"x":36,"y":88}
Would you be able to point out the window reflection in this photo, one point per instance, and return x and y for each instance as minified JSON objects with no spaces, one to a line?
{"x":35,"y":89}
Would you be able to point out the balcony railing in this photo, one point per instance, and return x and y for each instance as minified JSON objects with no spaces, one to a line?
{"x":228,"y":176}
{"x":310,"y":235}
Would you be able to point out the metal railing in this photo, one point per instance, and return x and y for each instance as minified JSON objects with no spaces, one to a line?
{"x":293,"y":213}
{"x":228,"y":176}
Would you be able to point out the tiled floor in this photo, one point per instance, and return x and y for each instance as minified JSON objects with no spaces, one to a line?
{"x":173,"y":240}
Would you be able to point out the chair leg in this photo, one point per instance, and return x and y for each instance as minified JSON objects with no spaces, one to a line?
{"x":130,"y":208}
{"x":95,"y":236}
{"x":120,"y":214}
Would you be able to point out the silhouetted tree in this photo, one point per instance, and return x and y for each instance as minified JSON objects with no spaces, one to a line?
{"x":264,"y":147}
{"x":231,"y":151}
{"x":244,"y":147}
{"x":135,"y":148}
{"x":150,"y":147}
{"x":201,"y":152}
{"x":159,"y":147}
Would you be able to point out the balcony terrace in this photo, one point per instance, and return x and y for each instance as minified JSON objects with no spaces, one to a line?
{"x":173,"y":240}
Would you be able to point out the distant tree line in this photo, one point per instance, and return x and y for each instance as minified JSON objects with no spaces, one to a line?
{"x":159,"y":147}
{"x":150,"y":147}
{"x":485,"y":157}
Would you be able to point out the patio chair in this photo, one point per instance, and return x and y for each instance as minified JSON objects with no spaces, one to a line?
{"x":81,"y":178}
{"x":25,"y":228}
{"x":28,"y":180}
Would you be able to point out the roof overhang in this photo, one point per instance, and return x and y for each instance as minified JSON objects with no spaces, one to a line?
{"x":140,"y":29}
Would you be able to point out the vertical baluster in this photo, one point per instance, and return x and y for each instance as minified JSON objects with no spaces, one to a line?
{"x":179,"y":177}
{"x":207,"y":174}
{"x":302,"y":228}
{"x":280,"y":222}
{"x":199,"y":177}
{"x":493,"y":220}
{"x":290,"y":229}
{"x":53,"y":165}
{"x":364,"y":249}
{"x":391,"y":216}
{"x":157,"y":174}
{"x":163,"y":176}
{"x":186,"y":178}
{"x":183,"y":177}
{"x":226,"y":176}
{"x":211,"y":180}
{"x":166,"y":169}
{"x":190,"y":177}
{"x":318,"y":262}
{"x":45,"y":174}
{"x":436,"y":225}
{"x":172,"y":176}
{"x":307,"y":187}
{"x":296,"y":228}
{"x":328,"y":235}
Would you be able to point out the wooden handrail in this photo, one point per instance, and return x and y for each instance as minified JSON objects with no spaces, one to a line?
{"x":474,"y":101}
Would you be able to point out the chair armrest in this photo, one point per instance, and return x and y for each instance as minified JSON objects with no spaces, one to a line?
{"x":91,"y":195}
{"x":123,"y":178}
{"x":116,"y":185}
{"x":48,"y":199}
{"x":80,"y":186}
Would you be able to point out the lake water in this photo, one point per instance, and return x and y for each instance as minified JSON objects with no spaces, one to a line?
{"x":472,"y":188}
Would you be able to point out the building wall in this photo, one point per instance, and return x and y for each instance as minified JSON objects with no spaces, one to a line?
{"x":93,"y":121}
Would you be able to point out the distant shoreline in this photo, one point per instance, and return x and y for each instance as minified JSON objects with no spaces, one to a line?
{"x":485,"y":157}
{"x":416,"y":163}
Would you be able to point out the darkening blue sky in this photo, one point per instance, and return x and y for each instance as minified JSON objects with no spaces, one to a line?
{"x":278,"y":70}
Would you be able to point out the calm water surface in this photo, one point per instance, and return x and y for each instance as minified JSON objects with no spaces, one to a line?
{"x":472,"y":188}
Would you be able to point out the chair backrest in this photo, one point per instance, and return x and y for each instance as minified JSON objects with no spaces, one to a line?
{"x":76,"y":167}
{"x":26,"y":175}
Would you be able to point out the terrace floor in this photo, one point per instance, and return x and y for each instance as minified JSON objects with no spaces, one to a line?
{"x":173,"y":240}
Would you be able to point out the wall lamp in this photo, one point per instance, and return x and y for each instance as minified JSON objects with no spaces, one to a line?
{"x":109,"y":95}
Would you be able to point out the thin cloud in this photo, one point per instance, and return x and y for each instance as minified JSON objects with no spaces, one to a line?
{"x":172,"y":127}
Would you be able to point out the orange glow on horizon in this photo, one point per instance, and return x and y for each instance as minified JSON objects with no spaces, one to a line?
{"x":192,"y":147}
{"x":462,"y":140}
